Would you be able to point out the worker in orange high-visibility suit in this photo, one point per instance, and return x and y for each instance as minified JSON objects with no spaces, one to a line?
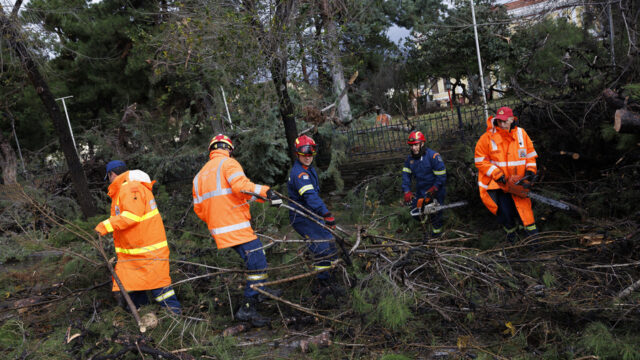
{"x":502,"y":151}
{"x":382,"y":118}
{"x":139,"y":237}
{"x":219,"y":200}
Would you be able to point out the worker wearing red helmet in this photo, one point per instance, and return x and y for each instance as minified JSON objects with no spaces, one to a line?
{"x":426,"y":167}
{"x":504,"y":150}
{"x":219,"y":200}
{"x":304,"y":188}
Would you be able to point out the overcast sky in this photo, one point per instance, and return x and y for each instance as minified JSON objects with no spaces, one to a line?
{"x":397,"y":33}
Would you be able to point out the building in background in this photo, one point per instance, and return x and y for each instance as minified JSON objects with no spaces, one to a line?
{"x":519,"y":11}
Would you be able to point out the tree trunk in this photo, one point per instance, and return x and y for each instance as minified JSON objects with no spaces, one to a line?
{"x":626,"y":121}
{"x":8,"y":162}
{"x":280,"y":57}
{"x":337,"y":71}
{"x":324,"y":80}
{"x":279,"y":77}
{"x":78,"y":177}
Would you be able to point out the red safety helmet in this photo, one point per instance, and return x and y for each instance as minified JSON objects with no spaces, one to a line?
{"x":504,"y":113}
{"x":416,"y":137}
{"x":220,"y":142}
{"x":305,"y":145}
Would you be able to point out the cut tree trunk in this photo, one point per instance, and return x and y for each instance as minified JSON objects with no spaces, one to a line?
{"x":626,"y":121}
{"x":78,"y":177}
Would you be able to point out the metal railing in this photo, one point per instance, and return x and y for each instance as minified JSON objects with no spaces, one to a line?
{"x":381,"y":141}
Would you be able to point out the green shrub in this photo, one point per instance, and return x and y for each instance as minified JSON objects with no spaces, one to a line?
{"x":601,"y":342}
{"x":395,"y":357}
{"x":393,"y":311}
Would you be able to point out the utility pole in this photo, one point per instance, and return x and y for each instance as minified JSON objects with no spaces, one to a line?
{"x":64,"y":105}
{"x":475,"y":32}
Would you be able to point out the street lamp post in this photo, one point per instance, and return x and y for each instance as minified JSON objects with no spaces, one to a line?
{"x":64,"y":105}
{"x":475,"y":32}
{"x":447,"y":86}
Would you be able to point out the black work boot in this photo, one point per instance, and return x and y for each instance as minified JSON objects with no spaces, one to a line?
{"x":249,"y":312}
{"x":262,"y":297}
{"x":426,"y":238}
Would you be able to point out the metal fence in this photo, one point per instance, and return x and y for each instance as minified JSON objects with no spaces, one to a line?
{"x":386,"y":140}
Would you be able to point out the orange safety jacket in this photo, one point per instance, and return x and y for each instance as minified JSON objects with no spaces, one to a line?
{"x":383,"y":119}
{"x":219,"y":201}
{"x":501,"y":152}
{"x":138,"y":233}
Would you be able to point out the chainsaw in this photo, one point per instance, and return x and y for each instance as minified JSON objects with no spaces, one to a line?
{"x":521,"y":186}
{"x":433,"y":207}
{"x":309,"y":215}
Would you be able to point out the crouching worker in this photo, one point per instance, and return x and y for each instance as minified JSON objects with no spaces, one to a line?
{"x":503,"y":151}
{"x":304,"y":189}
{"x":139,"y":238}
{"x":427,"y":168}
{"x":219,"y":199}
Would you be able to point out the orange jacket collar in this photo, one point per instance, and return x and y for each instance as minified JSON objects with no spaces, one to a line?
{"x":117,"y":183}
{"x":218,"y":152}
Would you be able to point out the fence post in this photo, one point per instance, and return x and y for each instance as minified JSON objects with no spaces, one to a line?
{"x":460,"y":124}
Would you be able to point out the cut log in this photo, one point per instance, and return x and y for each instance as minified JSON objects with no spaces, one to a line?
{"x":613,"y":99}
{"x":626,"y":121}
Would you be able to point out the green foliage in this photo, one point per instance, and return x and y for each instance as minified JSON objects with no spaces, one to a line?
{"x":263,"y":153}
{"x":395,"y":357}
{"x":555,"y":57}
{"x":447,"y":47}
{"x":393,"y":311}
{"x":384,"y":304}
{"x":12,"y":336}
{"x":548,"y":279}
{"x":73,"y":232}
{"x":358,"y":302}
{"x":632,"y":91}
{"x":598,"y":339}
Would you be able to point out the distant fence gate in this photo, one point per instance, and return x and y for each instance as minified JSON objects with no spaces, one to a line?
{"x":388,"y":140}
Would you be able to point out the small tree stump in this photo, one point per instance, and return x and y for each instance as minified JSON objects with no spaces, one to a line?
{"x":626,"y":121}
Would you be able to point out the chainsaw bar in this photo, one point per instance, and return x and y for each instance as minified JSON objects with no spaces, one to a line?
{"x":548,"y":201}
{"x":434,"y":207}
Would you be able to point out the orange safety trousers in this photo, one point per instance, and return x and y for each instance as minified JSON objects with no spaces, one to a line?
{"x":501,"y":152}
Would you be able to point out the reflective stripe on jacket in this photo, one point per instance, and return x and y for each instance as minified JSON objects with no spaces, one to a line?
{"x":138,"y":233}
{"x":218,"y":199}
{"x":428,"y":171}
{"x":501,"y":152}
{"x":304,"y":188}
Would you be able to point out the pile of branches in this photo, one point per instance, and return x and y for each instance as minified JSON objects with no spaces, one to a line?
{"x":552,"y":276}
{"x":560,"y":278}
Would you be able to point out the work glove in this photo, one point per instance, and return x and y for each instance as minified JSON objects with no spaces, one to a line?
{"x":274,"y":199}
{"x":431,"y":192}
{"x":408,"y":196}
{"x":528,"y":179}
{"x":502,"y":180}
{"x":329,"y":220}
